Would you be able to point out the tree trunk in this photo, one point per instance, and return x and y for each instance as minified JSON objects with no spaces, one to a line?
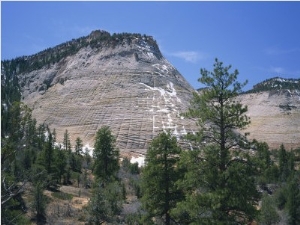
{"x":167,"y":191}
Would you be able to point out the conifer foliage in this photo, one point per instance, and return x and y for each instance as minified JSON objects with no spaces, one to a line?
{"x":107,"y":198}
{"x":216,"y":182}
{"x":160,"y":175}
{"x":106,"y":154}
{"x":219,"y":182}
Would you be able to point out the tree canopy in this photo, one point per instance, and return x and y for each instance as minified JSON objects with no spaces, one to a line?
{"x":105,"y":154}
{"x":219,"y":181}
{"x":160,"y":193}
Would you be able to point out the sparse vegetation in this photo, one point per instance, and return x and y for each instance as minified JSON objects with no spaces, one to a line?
{"x":61,"y":195}
{"x":50,"y":56}
{"x":276,"y":84}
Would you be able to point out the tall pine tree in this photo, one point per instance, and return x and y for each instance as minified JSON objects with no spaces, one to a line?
{"x":67,"y":142}
{"x":293,"y":200}
{"x":219,"y":181}
{"x":160,"y":193}
{"x":78,"y":146}
{"x":48,"y":152}
{"x":105,"y":154}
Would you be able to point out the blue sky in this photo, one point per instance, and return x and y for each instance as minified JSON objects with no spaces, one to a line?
{"x":260,"y":39}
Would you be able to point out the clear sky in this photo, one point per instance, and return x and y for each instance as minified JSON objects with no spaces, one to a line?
{"x":260,"y":39}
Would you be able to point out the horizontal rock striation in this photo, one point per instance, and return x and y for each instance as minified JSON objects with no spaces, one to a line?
{"x":126,"y":84}
{"x":275,"y":117}
{"x":123,"y":81}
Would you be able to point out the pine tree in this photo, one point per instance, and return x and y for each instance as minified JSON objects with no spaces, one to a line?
{"x":293,"y":200}
{"x":286,"y":164}
{"x":283,"y":163}
{"x":48,"y":153}
{"x":263,"y":153}
{"x":60,"y":163}
{"x":105,"y":154}
{"x":106,"y":202}
{"x":265,"y":166}
{"x":39,"y":202}
{"x":97,"y":207}
{"x":76,"y":162}
{"x":78,"y":146}
{"x":41,"y":136}
{"x":54,"y":136}
{"x":219,"y":181}
{"x":66,"y":141}
{"x":159,"y":177}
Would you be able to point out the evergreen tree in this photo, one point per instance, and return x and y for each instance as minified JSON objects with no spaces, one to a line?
{"x":41,"y":136}
{"x":76,"y":162}
{"x":53,"y":136}
{"x":97,"y":207}
{"x":160,"y":193}
{"x":219,"y":181}
{"x":48,"y":153}
{"x":20,"y":143}
{"x":106,"y":203}
{"x":39,"y":202}
{"x":293,"y":201}
{"x":263,"y":154}
{"x":114,"y":195}
{"x":283,"y":166}
{"x":87,"y":158}
{"x":106,"y":155}
{"x":66,"y":141}
{"x":13,"y":128}
{"x":30,"y":131}
{"x":60,"y":163}
{"x":217,"y":112}
{"x":78,"y":146}
{"x":268,"y":213}
{"x":290,"y":163}
{"x":268,"y":171}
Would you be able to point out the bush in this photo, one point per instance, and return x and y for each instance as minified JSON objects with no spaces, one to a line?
{"x":134,"y":168}
{"x":268,"y":213}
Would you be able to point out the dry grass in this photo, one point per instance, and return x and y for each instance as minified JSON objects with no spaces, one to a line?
{"x":67,"y":211}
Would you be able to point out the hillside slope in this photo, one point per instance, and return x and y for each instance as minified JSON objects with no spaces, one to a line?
{"x":275,"y":112}
{"x":122,"y":81}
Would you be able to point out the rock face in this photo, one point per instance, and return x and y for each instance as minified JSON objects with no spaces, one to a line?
{"x":124,"y":83}
{"x":274,"y":110}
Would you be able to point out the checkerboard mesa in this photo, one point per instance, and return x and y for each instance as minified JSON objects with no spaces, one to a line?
{"x":123,"y":81}
{"x":119,"y":80}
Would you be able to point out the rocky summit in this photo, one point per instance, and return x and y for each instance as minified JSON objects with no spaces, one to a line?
{"x":122,"y":81}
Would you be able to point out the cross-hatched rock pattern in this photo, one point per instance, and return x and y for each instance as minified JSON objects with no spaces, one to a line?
{"x":124,"y":82}
{"x":129,"y":87}
{"x":275,"y":117}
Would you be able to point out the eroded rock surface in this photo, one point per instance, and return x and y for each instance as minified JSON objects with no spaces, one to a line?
{"x":123,"y":81}
{"x":275,"y":117}
{"x":130,"y":87}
